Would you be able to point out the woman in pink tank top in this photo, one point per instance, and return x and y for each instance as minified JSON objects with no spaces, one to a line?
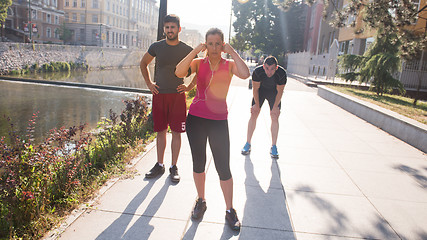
{"x":207,"y":117}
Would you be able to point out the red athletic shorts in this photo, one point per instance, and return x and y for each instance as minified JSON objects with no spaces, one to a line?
{"x":169,"y":109}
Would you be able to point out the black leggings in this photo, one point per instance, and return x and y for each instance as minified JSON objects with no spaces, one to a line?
{"x":198,"y":131}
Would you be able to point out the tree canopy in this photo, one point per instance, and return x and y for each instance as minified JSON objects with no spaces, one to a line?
{"x":261,"y":25}
{"x":390,"y":15}
{"x":4,"y":5}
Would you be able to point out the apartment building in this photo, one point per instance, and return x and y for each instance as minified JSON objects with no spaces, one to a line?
{"x":112,"y":23}
{"x":351,"y":42}
{"x":34,"y":20}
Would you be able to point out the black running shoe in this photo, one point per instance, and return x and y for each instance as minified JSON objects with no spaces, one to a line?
{"x":199,"y":209}
{"x":155,"y":171}
{"x":232,"y":219}
{"x":174,"y":174}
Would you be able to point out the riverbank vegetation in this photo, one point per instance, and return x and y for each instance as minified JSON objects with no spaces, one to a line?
{"x":399,"y":104}
{"x":50,"y":67}
{"x":40,"y":183}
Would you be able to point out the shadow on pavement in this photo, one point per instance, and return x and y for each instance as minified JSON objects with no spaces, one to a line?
{"x":191,"y":231}
{"x":414,"y":173}
{"x":141,"y":228}
{"x":339,"y":224}
{"x":265,"y":213}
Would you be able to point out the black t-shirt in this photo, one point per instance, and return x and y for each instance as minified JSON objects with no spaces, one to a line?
{"x":269,"y":83}
{"x":167,"y":57}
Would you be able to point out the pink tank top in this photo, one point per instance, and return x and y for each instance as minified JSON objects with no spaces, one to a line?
{"x":212,"y":88}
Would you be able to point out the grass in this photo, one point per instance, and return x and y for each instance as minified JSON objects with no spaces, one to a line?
{"x":399,"y":104}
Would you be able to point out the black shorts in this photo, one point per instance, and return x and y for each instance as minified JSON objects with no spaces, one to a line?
{"x":270,"y":95}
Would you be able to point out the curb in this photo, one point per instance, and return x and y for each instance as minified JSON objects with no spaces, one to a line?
{"x":73,"y":84}
{"x":408,"y":130}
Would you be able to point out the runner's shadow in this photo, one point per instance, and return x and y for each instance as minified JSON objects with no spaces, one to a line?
{"x":191,"y":231}
{"x":141,"y":228}
{"x":265,"y":213}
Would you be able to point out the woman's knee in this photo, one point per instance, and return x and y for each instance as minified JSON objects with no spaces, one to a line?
{"x":224,"y":175}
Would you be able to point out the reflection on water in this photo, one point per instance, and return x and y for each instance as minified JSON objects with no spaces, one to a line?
{"x":129,"y":77}
{"x":57,"y":106}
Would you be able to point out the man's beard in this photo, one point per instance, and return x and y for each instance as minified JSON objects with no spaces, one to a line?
{"x":173,"y":37}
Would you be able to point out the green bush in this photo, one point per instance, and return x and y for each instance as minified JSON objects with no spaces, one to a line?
{"x":40,"y":181}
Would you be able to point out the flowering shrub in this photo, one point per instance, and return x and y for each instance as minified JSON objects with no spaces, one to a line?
{"x":37,"y":181}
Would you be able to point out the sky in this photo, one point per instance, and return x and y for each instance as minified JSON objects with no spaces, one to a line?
{"x":202,"y":14}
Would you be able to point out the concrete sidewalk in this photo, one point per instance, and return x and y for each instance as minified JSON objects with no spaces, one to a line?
{"x":338,"y":177}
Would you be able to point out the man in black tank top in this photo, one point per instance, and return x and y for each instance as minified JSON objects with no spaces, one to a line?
{"x":268,"y":82}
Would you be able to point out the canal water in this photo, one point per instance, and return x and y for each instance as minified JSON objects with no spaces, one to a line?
{"x":58,"y":106}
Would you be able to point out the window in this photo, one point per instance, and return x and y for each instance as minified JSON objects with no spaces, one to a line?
{"x":369,"y":42}
{"x":417,"y":8}
{"x":108,"y":20}
{"x":48,"y":33}
{"x":57,"y":33}
{"x":416,"y":3}
{"x":95,"y":4}
{"x":108,"y":5}
{"x":75,"y":3}
{"x":74,"y":17}
{"x":82,"y":18}
{"x":34,"y":14}
{"x":67,"y":3}
{"x":83,"y":3}
{"x":48,"y":18}
{"x":95,"y":18}
{"x":94,"y":35}
{"x":82,"y":35}
{"x":108,"y":37}
{"x":56,"y":20}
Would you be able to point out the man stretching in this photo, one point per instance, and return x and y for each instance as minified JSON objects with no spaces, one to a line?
{"x":268,"y":82}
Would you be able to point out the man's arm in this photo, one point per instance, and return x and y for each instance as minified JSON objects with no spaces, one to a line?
{"x":255,"y":91}
{"x":146,"y":59}
{"x":183,"y":88}
{"x":280,"y":89}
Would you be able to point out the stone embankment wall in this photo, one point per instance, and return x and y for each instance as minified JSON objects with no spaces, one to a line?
{"x":14,"y":56}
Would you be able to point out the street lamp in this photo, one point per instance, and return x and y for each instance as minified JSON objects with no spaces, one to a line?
{"x":29,"y":19}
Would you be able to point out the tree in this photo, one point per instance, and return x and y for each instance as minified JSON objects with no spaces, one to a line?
{"x":4,"y":6}
{"x":262,"y":26}
{"x":389,"y":15}
{"x":377,"y":66}
{"x":65,"y":33}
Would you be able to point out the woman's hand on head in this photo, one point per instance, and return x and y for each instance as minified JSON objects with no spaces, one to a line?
{"x":227,"y":48}
{"x":201,"y":47}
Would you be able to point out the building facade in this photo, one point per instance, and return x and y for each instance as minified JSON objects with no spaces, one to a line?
{"x":34,"y":20}
{"x":112,"y":23}
{"x":191,"y":37}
